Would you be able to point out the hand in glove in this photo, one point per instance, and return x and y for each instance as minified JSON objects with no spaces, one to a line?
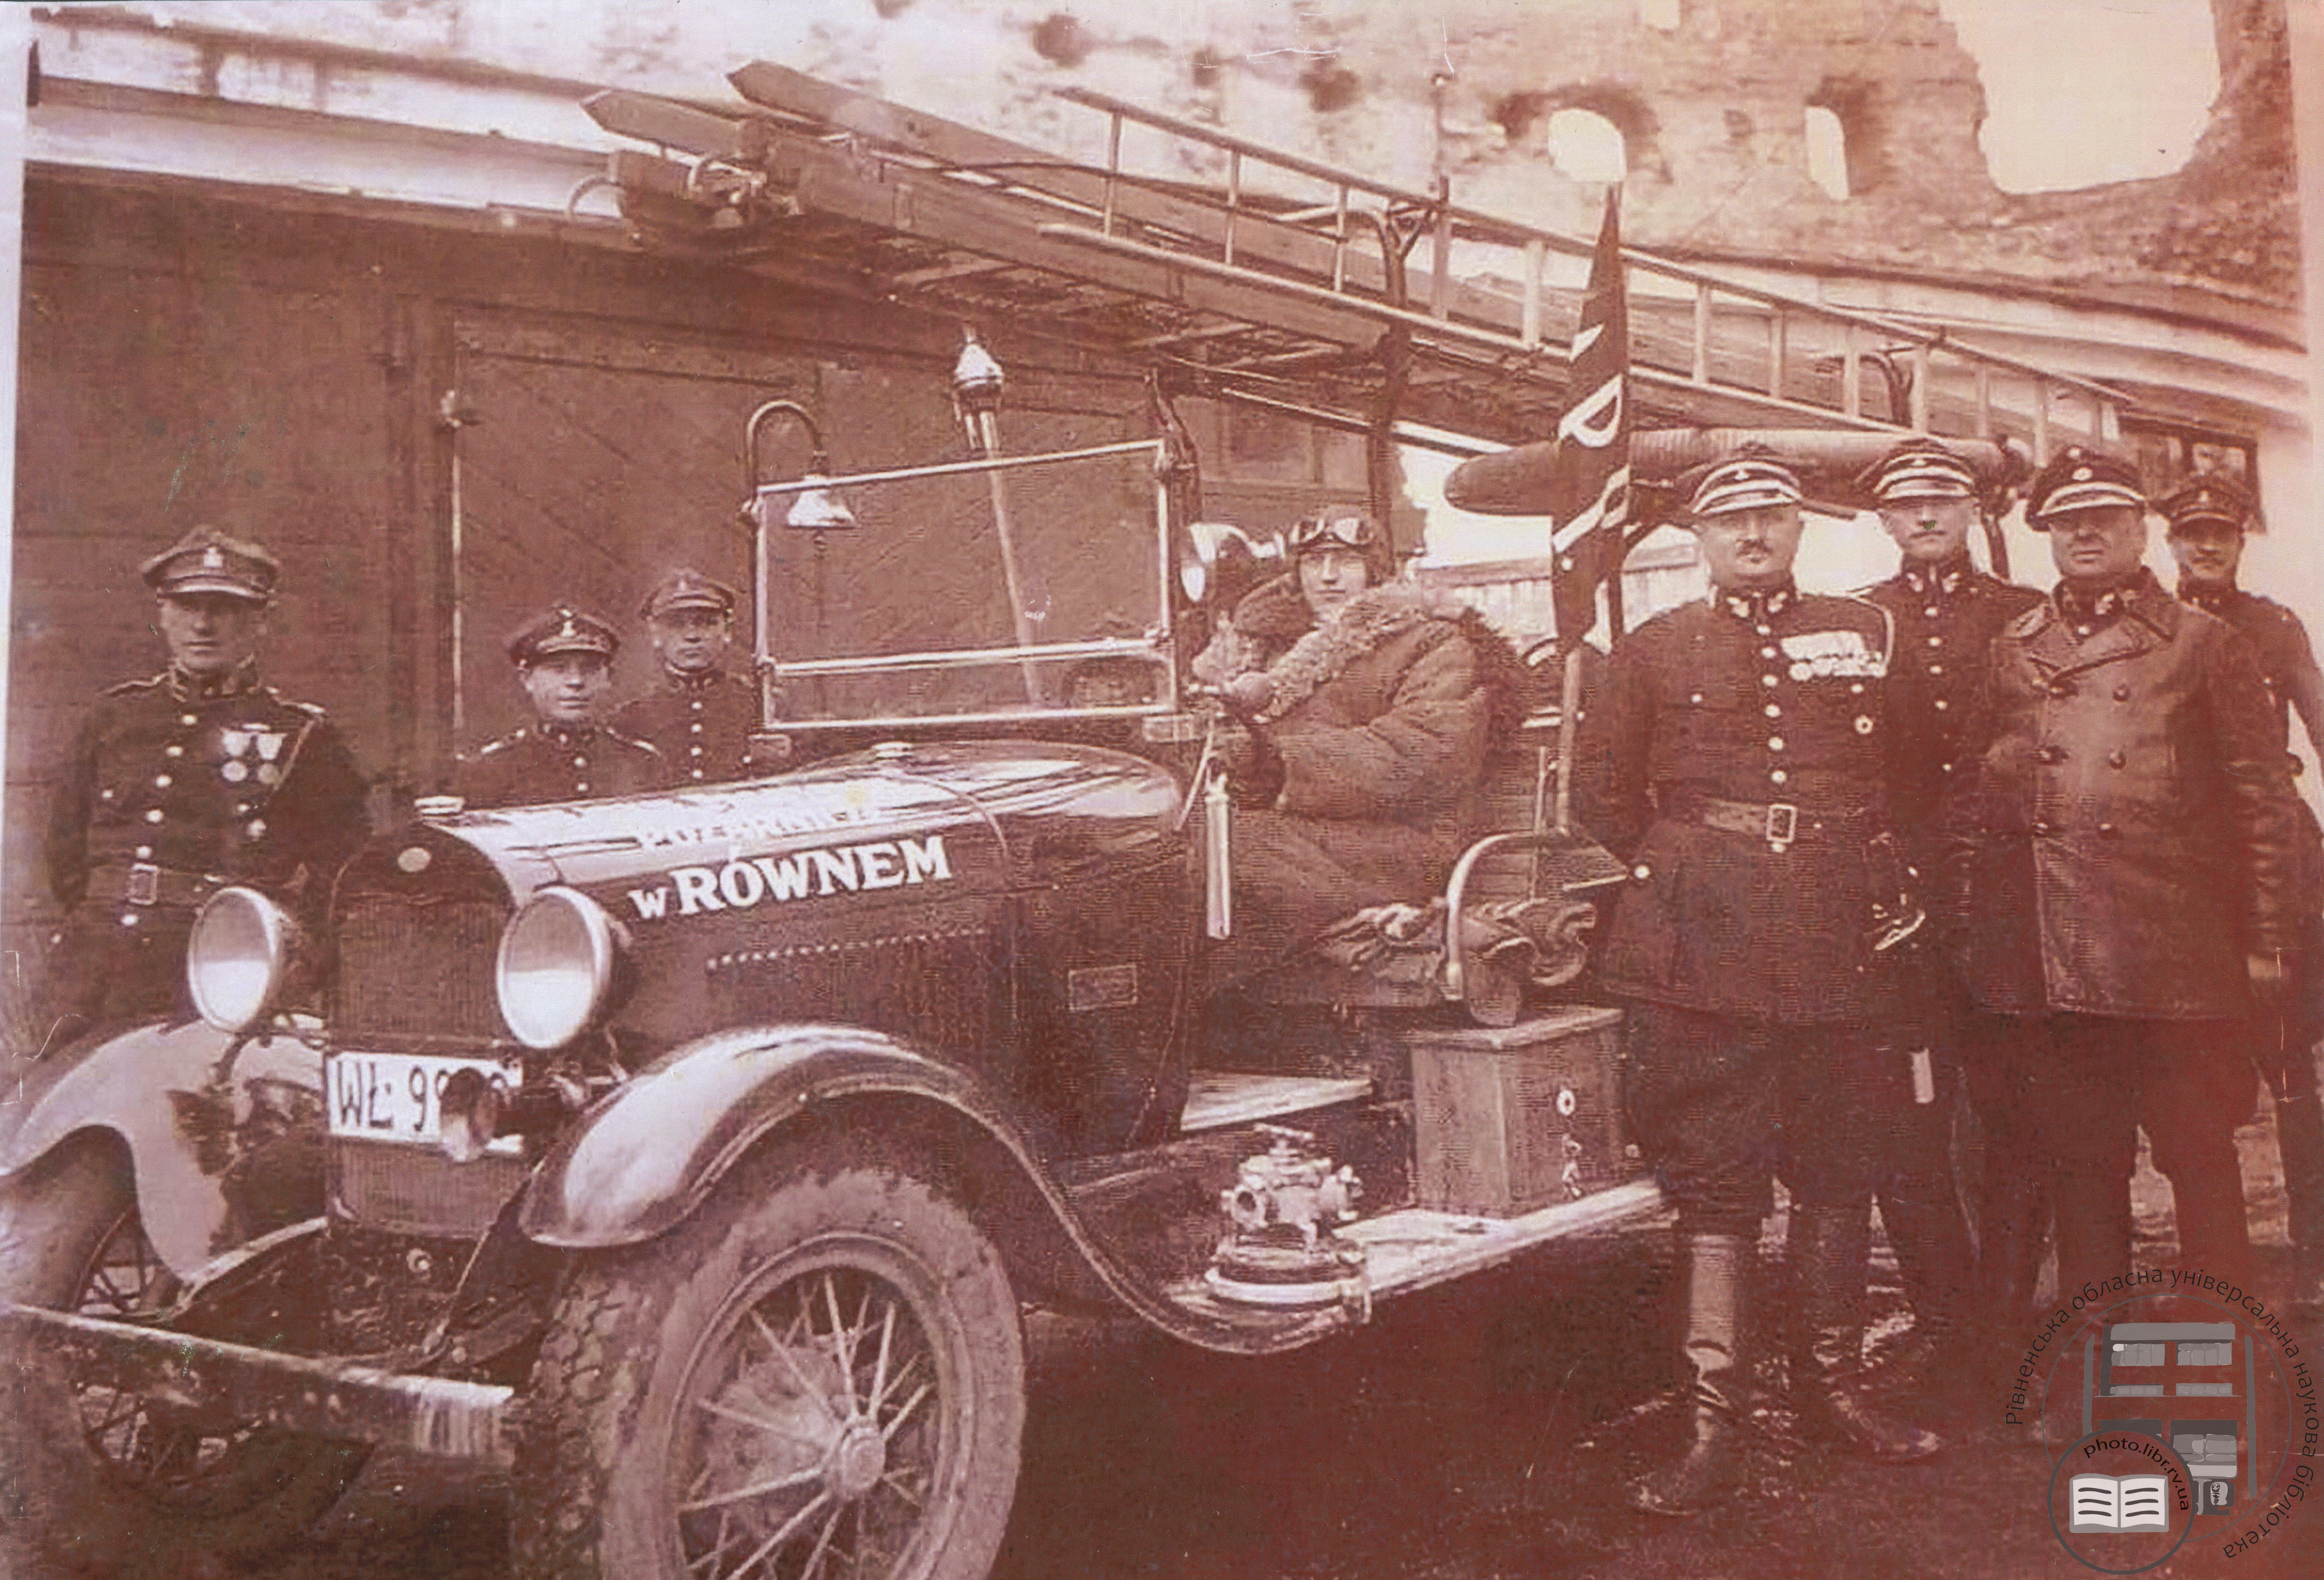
{"x":1246,"y":696}
{"x":1254,"y":767}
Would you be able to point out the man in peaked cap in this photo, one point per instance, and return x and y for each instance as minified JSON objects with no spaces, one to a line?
{"x":2208,"y":516}
{"x":1945,"y":612}
{"x":2133,"y":901}
{"x":178,"y":785}
{"x":1739,"y":761}
{"x":563,"y":659}
{"x":700,"y":715}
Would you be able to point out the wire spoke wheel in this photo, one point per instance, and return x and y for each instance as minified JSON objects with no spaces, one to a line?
{"x":818,"y":1377}
{"x":164,"y":1453}
{"x":818,"y":1446}
{"x":105,"y":1475}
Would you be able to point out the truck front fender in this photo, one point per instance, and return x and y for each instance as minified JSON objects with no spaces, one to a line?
{"x":646,"y":1157}
{"x":223,"y":1133}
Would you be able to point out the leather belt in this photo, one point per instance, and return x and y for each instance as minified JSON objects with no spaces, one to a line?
{"x":1779,"y":823}
{"x":146,"y":883}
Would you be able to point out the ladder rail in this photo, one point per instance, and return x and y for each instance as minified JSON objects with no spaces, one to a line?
{"x":1501,"y":230}
{"x":1209,"y":265}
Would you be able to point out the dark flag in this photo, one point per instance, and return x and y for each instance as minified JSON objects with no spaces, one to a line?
{"x":1590,"y":485}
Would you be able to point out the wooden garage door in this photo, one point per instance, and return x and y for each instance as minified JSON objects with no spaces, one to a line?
{"x":593,"y":460}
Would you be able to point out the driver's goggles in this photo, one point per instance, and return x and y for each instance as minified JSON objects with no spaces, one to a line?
{"x":1356,"y":532}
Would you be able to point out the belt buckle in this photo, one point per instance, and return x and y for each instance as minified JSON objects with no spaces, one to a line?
{"x":144,"y":884}
{"x":1782,"y":823}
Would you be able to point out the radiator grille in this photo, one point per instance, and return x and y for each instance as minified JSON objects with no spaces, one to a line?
{"x":408,"y":969}
{"x":418,"y":1190}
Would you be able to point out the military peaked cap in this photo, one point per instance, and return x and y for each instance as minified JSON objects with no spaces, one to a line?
{"x":2209,"y":497}
{"x":1918,"y":469}
{"x":1746,"y":480}
{"x":562,"y":630}
{"x":206,"y":560}
{"x":2077,"y":479}
{"x":687,"y":590}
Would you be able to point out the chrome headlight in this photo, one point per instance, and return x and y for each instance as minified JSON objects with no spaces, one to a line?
{"x":241,"y":956}
{"x":558,"y":956}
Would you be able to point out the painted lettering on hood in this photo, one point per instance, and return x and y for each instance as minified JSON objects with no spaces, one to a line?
{"x":738,"y":886}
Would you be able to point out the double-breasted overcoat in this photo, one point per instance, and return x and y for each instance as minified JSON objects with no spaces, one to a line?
{"x":2130,"y":834}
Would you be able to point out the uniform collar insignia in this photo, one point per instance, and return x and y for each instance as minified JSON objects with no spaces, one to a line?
{"x":2209,"y":598}
{"x":1939,"y":581}
{"x":2099,"y":610}
{"x":694,"y":680}
{"x":238,"y":681}
{"x":1755,"y":607}
{"x":568,"y":734}
{"x":2088,"y":612}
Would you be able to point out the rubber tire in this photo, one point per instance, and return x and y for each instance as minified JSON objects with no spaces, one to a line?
{"x":591,"y":1470}
{"x":53,"y":1219}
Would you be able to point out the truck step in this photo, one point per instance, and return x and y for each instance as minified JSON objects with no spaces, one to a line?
{"x":1218,"y":1099}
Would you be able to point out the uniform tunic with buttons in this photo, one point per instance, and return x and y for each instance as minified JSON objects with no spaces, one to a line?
{"x":175,"y":787}
{"x":2277,"y":639}
{"x":2288,"y":663}
{"x":2130,"y":832}
{"x":1774,"y":700}
{"x":1945,"y":618}
{"x":542,"y":762}
{"x":700,"y":723}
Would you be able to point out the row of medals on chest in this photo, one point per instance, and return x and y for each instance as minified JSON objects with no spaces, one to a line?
{"x":265,"y":744}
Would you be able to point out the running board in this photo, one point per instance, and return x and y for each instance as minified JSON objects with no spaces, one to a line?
{"x":1218,"y":1099}
{"x":438,"y":1415}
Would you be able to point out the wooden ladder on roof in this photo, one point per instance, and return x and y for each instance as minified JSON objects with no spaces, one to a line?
{"x":1290,"y":283}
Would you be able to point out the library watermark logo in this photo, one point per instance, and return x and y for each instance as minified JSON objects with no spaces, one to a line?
{"x":2181,"y":1417}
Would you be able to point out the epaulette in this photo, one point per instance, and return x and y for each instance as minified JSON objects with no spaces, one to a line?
{"x":151,"y":683}
{"x":502,"y":744}
{"x":312,"y":710}
{"x":648,"y":746}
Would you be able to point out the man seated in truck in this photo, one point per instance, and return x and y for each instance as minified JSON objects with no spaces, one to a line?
{"x":1367,"y":703}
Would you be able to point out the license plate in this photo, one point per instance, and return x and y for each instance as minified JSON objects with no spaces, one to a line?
{"x":397,"y":1097}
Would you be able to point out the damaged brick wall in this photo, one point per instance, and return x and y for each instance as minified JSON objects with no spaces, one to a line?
{"x":1711,"y":97}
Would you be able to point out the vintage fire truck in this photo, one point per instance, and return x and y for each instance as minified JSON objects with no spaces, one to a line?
{"x":692,"y":1155}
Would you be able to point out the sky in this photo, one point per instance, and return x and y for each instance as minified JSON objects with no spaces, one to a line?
{"x":2079,"y":92}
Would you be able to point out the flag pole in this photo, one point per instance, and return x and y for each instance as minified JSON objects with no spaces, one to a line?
{"x":1568,"y":704}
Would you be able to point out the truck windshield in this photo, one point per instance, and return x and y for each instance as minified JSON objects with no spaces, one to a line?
{"x":1009,"y":588}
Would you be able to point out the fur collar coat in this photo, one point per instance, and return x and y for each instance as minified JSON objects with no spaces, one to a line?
{"x":1381,"y":715}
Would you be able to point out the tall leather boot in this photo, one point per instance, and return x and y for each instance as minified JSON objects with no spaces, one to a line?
{"x":1922,"y":1216}
{"x":1711,"y":1467}
{"x":1829,"y":1249}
